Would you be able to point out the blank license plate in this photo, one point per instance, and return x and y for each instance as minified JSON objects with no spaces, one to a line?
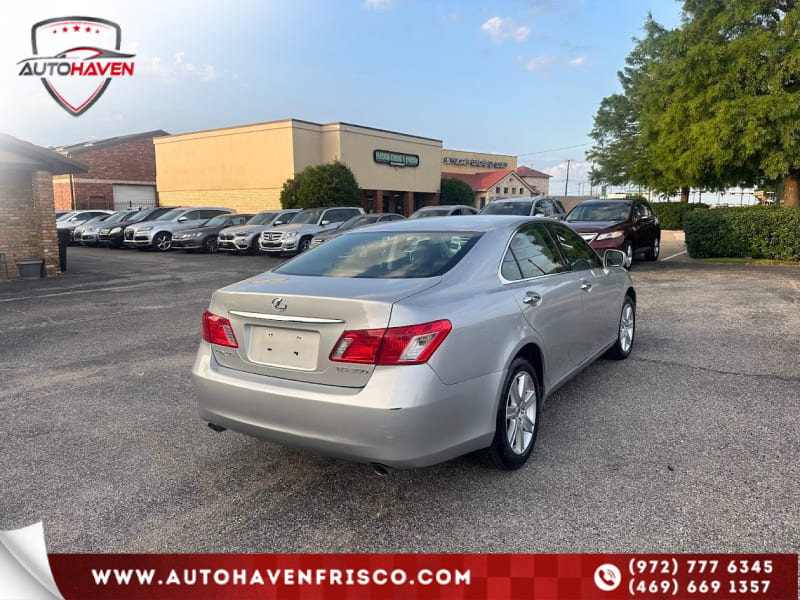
{"x":290,"y":348}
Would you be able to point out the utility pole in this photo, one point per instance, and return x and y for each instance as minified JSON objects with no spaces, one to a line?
{"x":566,"y":184}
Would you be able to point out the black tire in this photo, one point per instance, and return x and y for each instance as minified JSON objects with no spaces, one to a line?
{"x":654,"y":251}
{"x":501,"y":453}
{"x":254,"y":249}
{"x":210,"y":245}
{"x":629,"y":251}
{"x":302,"y":246}
{"x":162,"y":241}
{"x":619,"y":351}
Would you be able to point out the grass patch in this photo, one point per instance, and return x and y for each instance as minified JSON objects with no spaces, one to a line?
{"x":763,"y":262}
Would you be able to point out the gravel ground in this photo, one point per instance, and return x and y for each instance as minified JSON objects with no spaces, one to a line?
{"x":693,"y":444}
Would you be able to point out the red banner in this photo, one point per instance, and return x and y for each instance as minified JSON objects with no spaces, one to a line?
{"x":423,"y":576}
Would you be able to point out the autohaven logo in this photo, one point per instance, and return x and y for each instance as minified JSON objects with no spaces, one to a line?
{"x":76,"y":59}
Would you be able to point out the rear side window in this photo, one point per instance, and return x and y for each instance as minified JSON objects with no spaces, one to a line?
{"x":384,"y":255}
{"x":531,"y":253}
{"x":559,"y":207}
{"x":579,"y":254}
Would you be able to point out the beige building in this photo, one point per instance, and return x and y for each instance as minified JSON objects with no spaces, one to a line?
{"x":245,"y":167}
{"x":489,"y":185}
{"x":536,"y":179}
{"x":459,"y":161}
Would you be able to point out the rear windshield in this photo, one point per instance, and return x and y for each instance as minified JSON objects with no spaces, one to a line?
{"x":508,"y":208}
{"x":384,"y":255}
{"x":600,"y":211}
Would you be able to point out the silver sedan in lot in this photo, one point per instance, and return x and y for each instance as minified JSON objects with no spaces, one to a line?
{"x":407,"y":344}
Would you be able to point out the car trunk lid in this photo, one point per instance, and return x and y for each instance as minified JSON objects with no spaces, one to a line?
{"x":287,"y":326}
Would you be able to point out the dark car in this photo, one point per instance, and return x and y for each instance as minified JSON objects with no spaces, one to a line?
{"x":354,"y":222}
{"x":114,"y":235}
{"x":538,"y":206}
{"x":623,"y":224}
{"x":205,"y":237}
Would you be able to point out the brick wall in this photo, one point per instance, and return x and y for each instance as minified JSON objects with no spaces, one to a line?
{"x":128,"y":162}
{"x":27,"y":219}
{"x":243,"y":201}
{"x":132,"y":161}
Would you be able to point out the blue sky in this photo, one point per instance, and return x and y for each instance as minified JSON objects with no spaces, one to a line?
{"x":512,"y":77}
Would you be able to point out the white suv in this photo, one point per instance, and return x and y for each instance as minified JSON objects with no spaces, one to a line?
{"x":296,"y":236}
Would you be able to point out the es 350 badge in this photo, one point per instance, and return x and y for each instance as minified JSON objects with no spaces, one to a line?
{"x":76,"y":59}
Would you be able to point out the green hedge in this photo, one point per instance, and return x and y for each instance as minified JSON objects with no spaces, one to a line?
{"x":758,"y":232}
{"x":670,"y":214}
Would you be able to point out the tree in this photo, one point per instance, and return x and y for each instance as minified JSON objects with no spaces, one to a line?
{"x":330,"y":184}
{"x":455,"y":191}
{"x":289,"y":194}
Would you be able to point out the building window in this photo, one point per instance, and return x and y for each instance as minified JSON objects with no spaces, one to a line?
{"x":497,"y":190}
{"x":483,"y":201}
{"x":505,"y":190}
{"x":513,"y":191}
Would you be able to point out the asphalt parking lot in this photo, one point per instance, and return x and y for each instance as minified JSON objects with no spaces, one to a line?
{"x":693,"y":444}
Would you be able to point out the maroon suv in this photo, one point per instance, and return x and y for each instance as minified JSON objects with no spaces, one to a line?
{"x":619,"y":224}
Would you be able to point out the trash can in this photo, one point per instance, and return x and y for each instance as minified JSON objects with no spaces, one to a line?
{"x":63,"y":242}
{"x":30,"y":268}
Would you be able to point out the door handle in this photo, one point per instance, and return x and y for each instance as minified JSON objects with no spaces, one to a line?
{"x":532,"y":298}
{"x":585,"y":285}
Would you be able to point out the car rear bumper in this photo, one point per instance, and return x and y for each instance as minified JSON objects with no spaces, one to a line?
{"x":404,"y":417}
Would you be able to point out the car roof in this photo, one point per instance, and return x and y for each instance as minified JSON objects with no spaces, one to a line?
{"x":520,"y":199}
{"x":460,"y":223}
{"x":592,"y":200}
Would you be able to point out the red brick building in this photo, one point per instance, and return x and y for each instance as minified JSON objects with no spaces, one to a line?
{"x":122,"y":173}
{"x":27,"y":218}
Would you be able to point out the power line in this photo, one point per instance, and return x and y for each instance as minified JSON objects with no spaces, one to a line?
{"x":556,"y":149}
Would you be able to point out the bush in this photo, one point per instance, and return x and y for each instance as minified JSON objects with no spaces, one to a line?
{"x":455,"y":191}
{"x":331,"y":184}
{"x":758,"y":232}
{"x":670,"y":214}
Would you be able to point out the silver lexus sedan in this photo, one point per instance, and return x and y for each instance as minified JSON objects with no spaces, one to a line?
{"x":407,"y":344}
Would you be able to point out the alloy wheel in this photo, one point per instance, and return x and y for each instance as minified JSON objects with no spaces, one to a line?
{"x":521,"y":412}
{"x":656,"y":247}
{"x":628,"y":255}
{"x":163,"y":242}
{"x":626,"y":327}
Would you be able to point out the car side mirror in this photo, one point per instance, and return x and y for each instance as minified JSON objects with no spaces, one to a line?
{"x":613,"y":258}
{"x":276,"y":223}
{"x":325,"y":223}
{"x":182,"y":219}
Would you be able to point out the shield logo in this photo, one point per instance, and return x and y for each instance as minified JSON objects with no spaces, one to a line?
{"x":82,"y":40}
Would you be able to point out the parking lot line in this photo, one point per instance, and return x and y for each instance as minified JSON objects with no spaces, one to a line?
{"x":674,"y":255}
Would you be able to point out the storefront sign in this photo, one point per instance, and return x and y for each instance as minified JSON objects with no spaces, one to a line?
{"x":395,"y":159}
{"x":474,"y":162}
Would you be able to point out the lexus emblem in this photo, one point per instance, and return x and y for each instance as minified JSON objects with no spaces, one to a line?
{"x":279,"y":304}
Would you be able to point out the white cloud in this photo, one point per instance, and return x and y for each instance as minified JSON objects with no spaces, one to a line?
{"x":578,"y":61}
{"x":540,"y":64}
{"x":170,"y":72}
{"x":578,"y":177}
{"x":378,"y":3}
{"x":501,"y":29}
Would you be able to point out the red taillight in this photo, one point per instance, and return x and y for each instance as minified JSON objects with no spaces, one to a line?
{"x":410,"y":345}
{"x":358,"y":346}
{"x":218,"y":330}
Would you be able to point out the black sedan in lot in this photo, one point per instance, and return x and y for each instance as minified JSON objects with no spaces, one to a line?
{"x":114,"y":235}
{"x":205,"y":237}
{"x":624,"y":224}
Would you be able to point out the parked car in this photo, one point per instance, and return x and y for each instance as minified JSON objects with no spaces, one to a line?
{"x":443,"y":211}
{"x":619,"y":223}
{"x":296,"y":235}
{"x":354,"y":223}
{"x":79,"y":217}
{"x":244,"y":238}
{"x":409,"y":343}
{"x":205,"y":237}
{"x":538,"y":206}
{"x":115,"y":236}
{"x":76,"y":233}
{"x":87,"y":233}
{"x":157,"y":234}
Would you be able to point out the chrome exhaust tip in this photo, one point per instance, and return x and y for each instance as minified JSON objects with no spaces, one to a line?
{"x":379,"y":469}
{"x":217,"y":428}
